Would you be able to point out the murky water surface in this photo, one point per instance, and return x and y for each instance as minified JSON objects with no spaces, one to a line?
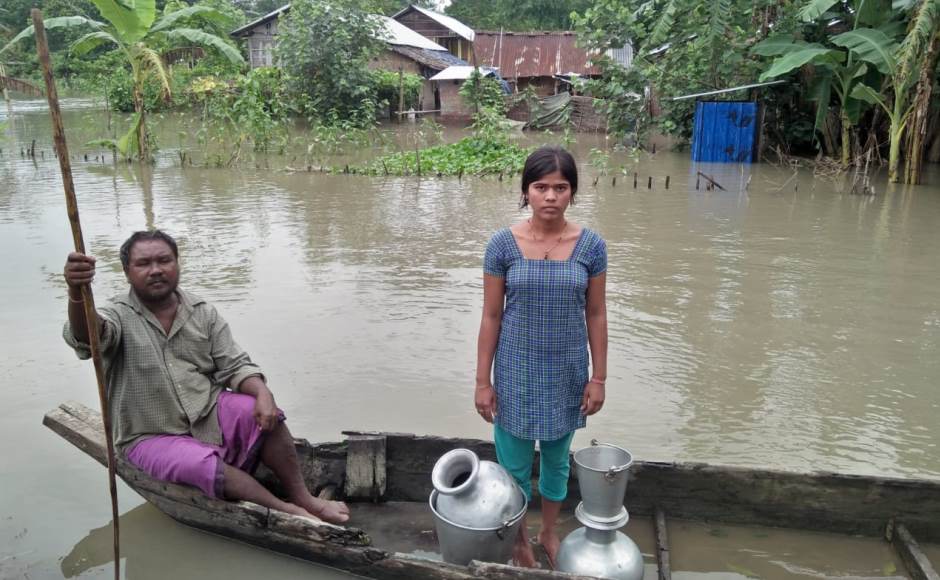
{"x":781,"y":323}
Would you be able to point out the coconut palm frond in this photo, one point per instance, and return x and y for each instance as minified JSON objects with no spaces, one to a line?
{"x":719,"y":17}
{"x":665,"y":22}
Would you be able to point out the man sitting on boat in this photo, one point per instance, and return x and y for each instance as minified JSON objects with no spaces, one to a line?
{"x":187,"y":404}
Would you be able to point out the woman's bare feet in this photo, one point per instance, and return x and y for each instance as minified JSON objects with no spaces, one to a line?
{"x":550,"y":543}
{"x":522,"y":553}
{"x":334,"y":512}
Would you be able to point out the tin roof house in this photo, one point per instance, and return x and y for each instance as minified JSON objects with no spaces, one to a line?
{"x":542,"y":60}
{"x":405,"y":50}
{"x":445,"y":30}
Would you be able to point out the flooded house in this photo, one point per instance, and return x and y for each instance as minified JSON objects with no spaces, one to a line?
{"x":448,"y":83}
{"x":405,"y":50}
{"x":544,"y":61}
{"x":445,"y":30}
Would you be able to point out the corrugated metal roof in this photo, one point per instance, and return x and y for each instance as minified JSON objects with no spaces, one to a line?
{"x":622,"y":56}
{"x":266,"y":18}
{"x":449,"y":22}
{"x":459,"y":73}
{"x":434,"y":59}
{"x":533,"y":54}
{"x":398,"y":33}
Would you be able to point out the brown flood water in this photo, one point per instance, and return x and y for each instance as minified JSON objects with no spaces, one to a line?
{"x":786,"y":327}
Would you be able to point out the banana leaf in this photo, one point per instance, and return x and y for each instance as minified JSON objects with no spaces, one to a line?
{"x":206,"y":39}
{"x":206,"y":13}
{"x":49,"y":24}
{"x":816,"y":8}
{"x":91,"y":41}
{"x":131,"y":21}
{"x":794,"y":60}
{"x":872,"y":46}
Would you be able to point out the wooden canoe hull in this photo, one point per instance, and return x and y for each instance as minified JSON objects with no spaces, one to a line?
{"x":396,"y":467}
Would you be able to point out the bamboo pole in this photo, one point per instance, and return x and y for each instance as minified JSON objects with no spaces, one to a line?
{"x":91,"y":315}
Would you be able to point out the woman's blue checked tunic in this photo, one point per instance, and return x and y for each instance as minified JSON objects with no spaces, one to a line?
{"x":541,"y":363}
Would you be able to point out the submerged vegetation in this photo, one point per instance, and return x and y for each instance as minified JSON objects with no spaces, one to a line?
{"x":857,"y":78}
{"x":488,"y":151}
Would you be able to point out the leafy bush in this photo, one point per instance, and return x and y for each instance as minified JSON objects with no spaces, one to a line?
{"x":386,"y":87}
{"x":119,"y":89}
{"x":325,"y":48}
{"x":482,"y":92}
{"x":469,"y":156}
{"x":254,"y":107}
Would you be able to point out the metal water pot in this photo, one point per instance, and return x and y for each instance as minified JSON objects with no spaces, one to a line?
{"x":598,"y":549}
{"x":477,"y":508}
{"x":474,"y":493}
{"x":605,"y":554}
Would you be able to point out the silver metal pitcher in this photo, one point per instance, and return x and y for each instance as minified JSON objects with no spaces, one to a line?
{"x":598,"y":549}
{"x":605,"y":554}
{"x":477,"y":508}
{"x":602,"y":476}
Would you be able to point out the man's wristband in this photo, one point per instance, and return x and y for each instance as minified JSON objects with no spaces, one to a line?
{"x":598,"y":381}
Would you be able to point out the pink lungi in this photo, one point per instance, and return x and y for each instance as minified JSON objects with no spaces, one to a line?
{"x":184,"y":459}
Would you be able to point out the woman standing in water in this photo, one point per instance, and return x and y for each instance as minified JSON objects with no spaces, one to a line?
{"x":544,"y":304}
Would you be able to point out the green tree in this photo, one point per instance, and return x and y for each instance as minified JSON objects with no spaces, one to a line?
{"x":866,"y":65}
{"x":325,"y":47}
{"x":841,"y":59}
{"x":902,"y":66}
{"x":518,"y":15}
{"x":681,"y":47}
{"x":138,"y":35}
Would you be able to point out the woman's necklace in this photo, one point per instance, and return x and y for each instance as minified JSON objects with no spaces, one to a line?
{"x":548,"y":251}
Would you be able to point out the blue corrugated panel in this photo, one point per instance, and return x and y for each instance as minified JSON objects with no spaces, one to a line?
{"x":725,"y":131}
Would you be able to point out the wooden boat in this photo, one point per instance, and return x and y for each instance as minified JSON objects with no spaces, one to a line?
{"x":388,"y":475}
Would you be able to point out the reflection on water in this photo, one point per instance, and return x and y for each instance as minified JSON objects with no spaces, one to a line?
{"x":780,"y":323}
{"x":155,"y":547}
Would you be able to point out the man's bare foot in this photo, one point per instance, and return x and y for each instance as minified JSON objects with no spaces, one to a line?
{"x":550,"y":542}
{"x":334,"y":512}
{"x":522,"y":555}
{"x":299,"y":511}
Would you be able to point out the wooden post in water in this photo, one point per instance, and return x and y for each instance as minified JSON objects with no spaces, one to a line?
{"x":401,"y":94}
{"x":91,"y":316}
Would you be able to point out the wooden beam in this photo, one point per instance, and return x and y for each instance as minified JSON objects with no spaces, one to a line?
{"x":493,"y":571}
{"x":917,"y":563}
{"x":365,"y":467}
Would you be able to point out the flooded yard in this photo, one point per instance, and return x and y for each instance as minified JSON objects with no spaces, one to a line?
{"x":780,"y":323}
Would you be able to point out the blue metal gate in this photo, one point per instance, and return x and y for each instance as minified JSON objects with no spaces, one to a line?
{"x":725,"y":131}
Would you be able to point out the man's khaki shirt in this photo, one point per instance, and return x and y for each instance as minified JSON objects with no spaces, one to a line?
{"x":163,"y":383}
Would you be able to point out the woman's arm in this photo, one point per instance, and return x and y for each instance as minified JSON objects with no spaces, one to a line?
{"x":494,"y":292}
{"x":595,"y":313}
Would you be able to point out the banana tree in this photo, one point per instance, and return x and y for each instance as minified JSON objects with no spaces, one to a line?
{"x":902,"y":65}
{"x":838,"y":68}
{"x":136,"y":32}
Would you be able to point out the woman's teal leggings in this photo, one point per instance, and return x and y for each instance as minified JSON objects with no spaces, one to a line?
{"x":516,"y":455}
